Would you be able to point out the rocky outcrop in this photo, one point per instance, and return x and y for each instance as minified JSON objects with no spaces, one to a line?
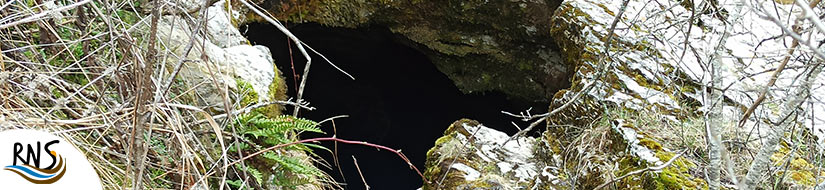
{"x":481,"y":45}
{"x":223,"y":55}
{"x":645,"y":112}
{"x":582,"y":147}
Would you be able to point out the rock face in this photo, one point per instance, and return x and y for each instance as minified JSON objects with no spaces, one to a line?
{"x":480,"y":45}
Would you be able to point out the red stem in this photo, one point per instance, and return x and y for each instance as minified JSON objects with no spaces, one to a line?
{"x":292,"y":63}
{"x":397,"y":152}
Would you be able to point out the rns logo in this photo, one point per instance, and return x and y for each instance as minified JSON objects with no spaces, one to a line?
{"x":34,"y":173}
{"x":32,"y":159}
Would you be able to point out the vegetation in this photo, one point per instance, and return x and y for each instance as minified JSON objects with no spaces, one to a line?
{"x":79,"y":72}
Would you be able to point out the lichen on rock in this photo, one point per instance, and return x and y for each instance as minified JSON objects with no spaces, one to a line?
{"x":472,"y":156}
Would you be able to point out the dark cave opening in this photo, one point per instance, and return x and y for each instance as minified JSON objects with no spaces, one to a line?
{"x":399,"y":99}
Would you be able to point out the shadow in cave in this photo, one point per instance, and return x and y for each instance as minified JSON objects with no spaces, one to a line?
{"x":399,"y":99}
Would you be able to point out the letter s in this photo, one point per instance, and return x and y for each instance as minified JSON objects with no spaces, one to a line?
{"x":54,"y":159}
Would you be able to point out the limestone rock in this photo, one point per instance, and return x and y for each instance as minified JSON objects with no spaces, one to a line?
{"x":220,"y":27}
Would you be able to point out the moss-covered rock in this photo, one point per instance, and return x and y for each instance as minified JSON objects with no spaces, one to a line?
{"x":647,"y":152}
{"x":618,"y":142}
{"x":468,"y":157}
{"x":638,"y":76}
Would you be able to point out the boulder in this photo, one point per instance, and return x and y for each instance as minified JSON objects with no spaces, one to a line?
{"x":473,"y":156}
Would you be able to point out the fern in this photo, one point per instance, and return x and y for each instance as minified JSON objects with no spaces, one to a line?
{"x":237,"y":184}
{"x":292,"y":164}
{"x":262,"y":131}
{"x":295,"y":166}
{"x":279,"y":125}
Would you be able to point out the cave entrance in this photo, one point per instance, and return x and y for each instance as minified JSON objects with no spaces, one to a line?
{"x":399,"y":99}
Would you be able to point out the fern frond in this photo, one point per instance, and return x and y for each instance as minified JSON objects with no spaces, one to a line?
{"x":257,"y":175}
{"x":296,"y":124}
{"x":299,"y":172}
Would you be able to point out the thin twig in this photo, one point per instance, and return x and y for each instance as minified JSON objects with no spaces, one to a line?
{"x":142,"y":115}
{"x":359,"y":173}
{"x":332,"y":118}
{"x":293,"y":38}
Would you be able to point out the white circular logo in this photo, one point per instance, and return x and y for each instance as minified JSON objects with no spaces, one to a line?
{"x":40,"y":160}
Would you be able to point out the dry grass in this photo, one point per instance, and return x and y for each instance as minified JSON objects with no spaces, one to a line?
{"x":78,"y":73}
{"x":595,"y":152}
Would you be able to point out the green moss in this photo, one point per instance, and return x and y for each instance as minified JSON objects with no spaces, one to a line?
{"x":629,"y":164}
{"x":672,"y":179}
{"x":127,"y":17}
{"x":248,"y":94}
{"x":442,"y":140}
{"x":57,"y":93}
{"x":277,"y":91}
{"x":438,"y":143}
{"x":800,"y":171}
{"x":677,"y":176}
{"x":806,"y":178}
{"x":650,"y":144}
